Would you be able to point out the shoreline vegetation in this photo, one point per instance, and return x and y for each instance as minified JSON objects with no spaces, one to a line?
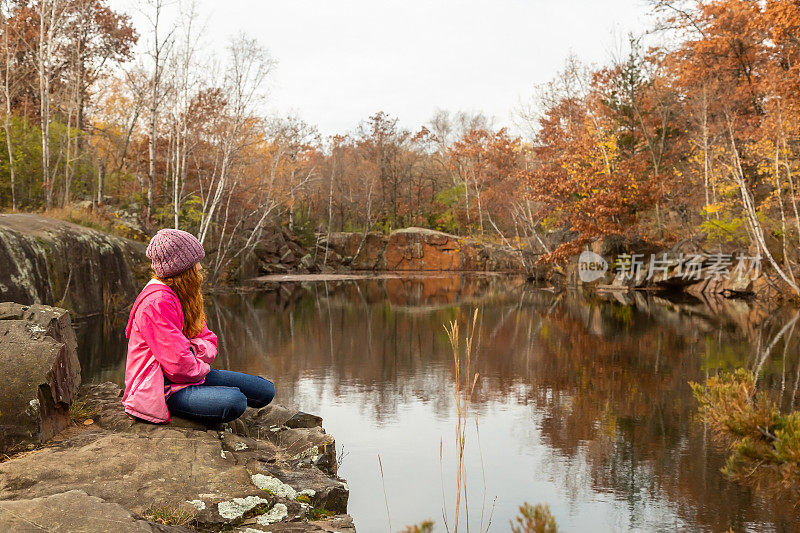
{"x":688,"y":135}
{"x":763,"y":441}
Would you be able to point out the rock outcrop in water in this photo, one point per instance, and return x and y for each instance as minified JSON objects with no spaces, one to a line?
{"x":274,"y":469}
{"x":420,"y":249}
{"x":52,"y":262}
{"x":684,"y":267}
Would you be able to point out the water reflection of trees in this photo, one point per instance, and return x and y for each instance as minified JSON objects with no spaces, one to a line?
{"x":608,"y":379}
{"x":612,"y":383}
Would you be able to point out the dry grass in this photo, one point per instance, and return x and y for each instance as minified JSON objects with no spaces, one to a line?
{"x":80,"y":409}
{"x":531,"y":519}
{"x":764,"y":443}
{"x":98,"y":219}
{"x":16,"y":455}
{"x":170,"y":514}
{"x":91,"y":219}
{"x":385,"y":499}
{"x":534,"y":519}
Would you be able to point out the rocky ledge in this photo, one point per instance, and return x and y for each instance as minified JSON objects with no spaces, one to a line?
{"x":274,"y":469}
{"x":49,"y":261}
{"x":420,"y":249}
{"x":684,"y":267}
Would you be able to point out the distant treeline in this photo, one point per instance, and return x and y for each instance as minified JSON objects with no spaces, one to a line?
{"x":694,"y":134}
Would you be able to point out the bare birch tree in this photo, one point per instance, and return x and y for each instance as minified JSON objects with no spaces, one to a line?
{"x":186,"y":84}
{"x":49,"y":12}
{"x":159,"y":53}
{"x":243,"y":86}
{"x":751,"y":212}
{"x":278,"y":180}
{"x":12,"y":75}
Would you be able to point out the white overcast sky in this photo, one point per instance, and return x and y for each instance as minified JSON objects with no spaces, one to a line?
{"x":341,"y":61}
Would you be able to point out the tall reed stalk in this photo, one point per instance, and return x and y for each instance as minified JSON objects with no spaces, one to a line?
{"x":385,"y":499}
{"x":465,"y":381}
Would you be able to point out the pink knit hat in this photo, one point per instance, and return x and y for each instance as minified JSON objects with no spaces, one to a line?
{"x":173,"y":251}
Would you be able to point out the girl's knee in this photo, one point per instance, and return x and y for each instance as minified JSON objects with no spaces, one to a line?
{"x":266,"y":394}
{"x":235,"y":407}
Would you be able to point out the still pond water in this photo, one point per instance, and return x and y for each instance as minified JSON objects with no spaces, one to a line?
{"x":583,"y":404}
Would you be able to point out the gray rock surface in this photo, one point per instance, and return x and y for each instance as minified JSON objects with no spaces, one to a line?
{"x":256,"y":473}
{"x":38,"y":357}
{"x":73,"y":511}
{"x":304,"y":420}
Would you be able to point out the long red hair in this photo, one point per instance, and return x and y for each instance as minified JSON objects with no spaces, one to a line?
{"x":187,"y":286}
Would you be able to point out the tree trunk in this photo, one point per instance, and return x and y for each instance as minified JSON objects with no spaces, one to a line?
{"x":151,"y":172}
{"x":45,"y":35}
{"x":330,"y":214}
{"x":10,"y":148}
{"x":176,"y":181}
{"x":7,"y":119}
{"x":67,"y":167}
{"x":705,"y":148}
{"x":101,"y":181}
{"x":752,"y":215}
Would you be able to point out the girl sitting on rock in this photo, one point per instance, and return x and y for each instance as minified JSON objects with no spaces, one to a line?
{"x":170,"y":347}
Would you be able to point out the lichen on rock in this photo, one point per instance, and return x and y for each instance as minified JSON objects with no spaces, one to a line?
{"x":278,"y":512}
{"x":200,"y":505}
{"x":310,"y":453}
{"x":237,"y":507}
{"x":273,"y":485}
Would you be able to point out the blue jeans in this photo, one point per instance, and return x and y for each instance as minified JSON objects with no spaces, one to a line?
{"x":222,"y":397}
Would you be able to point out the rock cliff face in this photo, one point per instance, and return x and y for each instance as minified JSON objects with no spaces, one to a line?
{"x":39,"y":362}
{"x":420,"y":249}
{"x":48,"y":261}
{"x":344,"y":247}
{"x":279,"y":251}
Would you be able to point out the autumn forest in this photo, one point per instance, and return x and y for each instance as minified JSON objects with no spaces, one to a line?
{"x":691,"y":133}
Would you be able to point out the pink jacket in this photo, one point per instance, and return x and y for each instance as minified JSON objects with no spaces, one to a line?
{"x":157,"y":347}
